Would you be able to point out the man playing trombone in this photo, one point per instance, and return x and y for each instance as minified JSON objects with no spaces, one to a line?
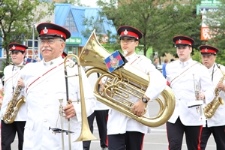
{"x":53,"y":97}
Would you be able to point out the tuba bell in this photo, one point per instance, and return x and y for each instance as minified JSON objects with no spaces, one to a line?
{"x":123,"y":82}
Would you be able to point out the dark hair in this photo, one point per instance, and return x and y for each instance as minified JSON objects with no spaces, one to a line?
{"x":166,"y":60}
{"x":128,"y":38}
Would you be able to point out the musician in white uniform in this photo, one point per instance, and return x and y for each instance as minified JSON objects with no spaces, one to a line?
{"x":1,"y":94}
{"x":45,"y":84}
{"x":216,"y":124}
{"x":125,"y":132}
{"x":187,"y":77}
{"x":11,"y":77}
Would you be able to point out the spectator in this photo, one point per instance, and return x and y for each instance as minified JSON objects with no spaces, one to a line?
{"x":156,"y":62}
{"x":164,"y":67}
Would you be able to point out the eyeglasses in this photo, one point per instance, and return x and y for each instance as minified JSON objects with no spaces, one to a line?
{"x":49,"y":41}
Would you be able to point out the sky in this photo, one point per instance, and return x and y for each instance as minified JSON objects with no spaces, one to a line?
{"x":91,"y":3}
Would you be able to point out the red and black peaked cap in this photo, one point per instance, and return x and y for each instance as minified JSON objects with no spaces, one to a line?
{"x":17,"y":47}
{"x":53,"y":30}
{"x":128,"y":31}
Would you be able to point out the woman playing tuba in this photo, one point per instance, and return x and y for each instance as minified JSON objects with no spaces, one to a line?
{"x":128,"y":90}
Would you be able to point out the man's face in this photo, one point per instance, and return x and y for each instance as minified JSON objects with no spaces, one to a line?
{"x":51,"y":48}
{"x":208,"y":60}
{"x":128,"y":45}
{"x":184,"y":52}
{"x":17,"y":57}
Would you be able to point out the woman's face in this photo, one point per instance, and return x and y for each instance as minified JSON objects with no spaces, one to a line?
{"x":128,"y":45}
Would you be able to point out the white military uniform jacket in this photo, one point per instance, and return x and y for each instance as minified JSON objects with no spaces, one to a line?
{"x":182,"y":76}
{"x":218,"y":119}
{"x":11,"y":77}
{"x":118,"y":123}
{"x":44,"y":86}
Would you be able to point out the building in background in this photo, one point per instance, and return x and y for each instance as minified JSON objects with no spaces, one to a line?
{"x":80,"y":21}
{"x":205,"y":7}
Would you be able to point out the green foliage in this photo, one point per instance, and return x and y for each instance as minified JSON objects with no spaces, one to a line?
{"x":17,"y":19}
{"x":197,"y":56}
{"x":111,"y":47}
{"x":216,"y":22}
{"x":158,"y":20}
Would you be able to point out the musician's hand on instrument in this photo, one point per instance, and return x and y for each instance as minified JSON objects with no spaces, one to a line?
{"x":201,"y":96}
{"x":20,"y":83}
{"x":221,"y":86}
{"x":138,"y":108}
{"x":69,"y":111}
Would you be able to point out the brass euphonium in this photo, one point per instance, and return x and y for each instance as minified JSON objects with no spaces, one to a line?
{"x":211,"y":108}
{"x":85,"y":134}
{"x":123,"y":82}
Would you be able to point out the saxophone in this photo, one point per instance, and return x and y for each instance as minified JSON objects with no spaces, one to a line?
{"x":211,"y":108}
{"x":14,"y":105}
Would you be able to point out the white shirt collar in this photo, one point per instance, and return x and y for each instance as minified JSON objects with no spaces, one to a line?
{"x":184,"y":64}
{"x":16,"y":67}
{"x":131,"y":57}
{"x":54,"y":61}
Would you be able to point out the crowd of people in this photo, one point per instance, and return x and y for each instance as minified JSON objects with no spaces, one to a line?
{"x":50,"y":115}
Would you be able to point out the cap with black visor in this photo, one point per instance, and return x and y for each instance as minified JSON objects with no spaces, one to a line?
{"x":181,"y":41}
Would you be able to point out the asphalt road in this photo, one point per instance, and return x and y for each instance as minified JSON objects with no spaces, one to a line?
{"x":156,"y":140}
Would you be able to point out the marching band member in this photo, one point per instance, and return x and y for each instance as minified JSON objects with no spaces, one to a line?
{"x":187,"y":78}
{"x":125,"y":132}
{"x":1,"y":94}
{"x":44,"y":85}
{"x":216,"y":124}
{"x":11,"y":77}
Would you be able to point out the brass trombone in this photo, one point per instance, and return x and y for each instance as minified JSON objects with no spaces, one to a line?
{"x":85,"y":134}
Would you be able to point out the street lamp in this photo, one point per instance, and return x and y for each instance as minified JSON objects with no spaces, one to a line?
{"x":33,"y":42}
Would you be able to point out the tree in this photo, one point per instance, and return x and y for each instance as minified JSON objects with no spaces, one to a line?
{"x":216,"y":22}
{"x":158,"y":20}
{"x":17,"y":18}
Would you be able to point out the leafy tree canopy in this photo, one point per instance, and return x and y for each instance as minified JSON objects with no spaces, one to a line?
{"x":17,"y":18}
{"x":158,"y":20}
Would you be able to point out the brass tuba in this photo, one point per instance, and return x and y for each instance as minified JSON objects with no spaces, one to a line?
{"x":122,"y":83}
